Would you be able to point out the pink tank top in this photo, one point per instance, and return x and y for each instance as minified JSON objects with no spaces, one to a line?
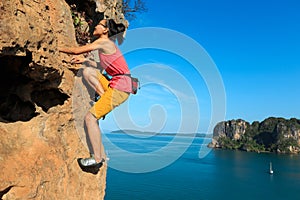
{"x":115,"y":65}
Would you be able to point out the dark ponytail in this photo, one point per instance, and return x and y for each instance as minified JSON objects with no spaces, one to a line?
{"x":116,"y":31}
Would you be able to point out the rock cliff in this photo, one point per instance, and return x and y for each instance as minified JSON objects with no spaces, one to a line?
{"x":273,"y":135}
{"x":42,"y":101}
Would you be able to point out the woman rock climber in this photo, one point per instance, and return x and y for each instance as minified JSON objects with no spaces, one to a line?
{"x":112,"y":92}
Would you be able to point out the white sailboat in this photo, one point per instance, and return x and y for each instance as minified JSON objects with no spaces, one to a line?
{"x":271,"y":169}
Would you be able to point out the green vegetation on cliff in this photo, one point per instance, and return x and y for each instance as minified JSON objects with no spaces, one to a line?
{"x":271,"y":135}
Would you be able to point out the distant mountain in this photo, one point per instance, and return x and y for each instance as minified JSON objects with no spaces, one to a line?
{"x":133,"y":132}
{"x":162,"y":134}
{"x":271,"y":135}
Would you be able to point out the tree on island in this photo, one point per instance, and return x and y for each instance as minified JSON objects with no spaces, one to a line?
{"x":272,"y":135}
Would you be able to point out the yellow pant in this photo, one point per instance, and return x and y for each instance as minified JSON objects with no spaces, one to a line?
{"x":109,"y":100}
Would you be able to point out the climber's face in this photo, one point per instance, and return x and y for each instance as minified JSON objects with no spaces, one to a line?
{"x":101,"y":28}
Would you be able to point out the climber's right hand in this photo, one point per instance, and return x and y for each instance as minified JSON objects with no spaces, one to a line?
{"x":79,"y":59}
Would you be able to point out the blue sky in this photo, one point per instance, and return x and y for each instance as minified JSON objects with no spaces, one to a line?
{"x":255,"y":45}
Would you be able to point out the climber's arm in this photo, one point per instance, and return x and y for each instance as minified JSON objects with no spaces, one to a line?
{"x":79,"y":50}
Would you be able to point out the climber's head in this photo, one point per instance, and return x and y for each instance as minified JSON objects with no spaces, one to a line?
{"x":110,"y":28}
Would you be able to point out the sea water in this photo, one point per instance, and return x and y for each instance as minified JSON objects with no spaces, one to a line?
{"x":221,"y":174}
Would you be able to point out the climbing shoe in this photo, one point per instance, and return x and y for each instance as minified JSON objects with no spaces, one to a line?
{"x":90,"y":165}
{"x":89,"y":162}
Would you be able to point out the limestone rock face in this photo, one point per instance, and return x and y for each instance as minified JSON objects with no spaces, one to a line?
{"x":272,"y":135}
{"x":233,"y":129}
{"x":42,"y":104}
{"x":111,"y":9}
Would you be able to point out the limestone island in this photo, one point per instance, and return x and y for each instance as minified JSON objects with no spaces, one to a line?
{"x":273,"y":134}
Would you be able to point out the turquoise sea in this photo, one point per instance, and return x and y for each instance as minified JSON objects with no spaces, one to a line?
{"x":221,"y":174}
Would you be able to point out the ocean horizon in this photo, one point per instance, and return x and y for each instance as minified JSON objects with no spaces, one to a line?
{"x":219,"y":174}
